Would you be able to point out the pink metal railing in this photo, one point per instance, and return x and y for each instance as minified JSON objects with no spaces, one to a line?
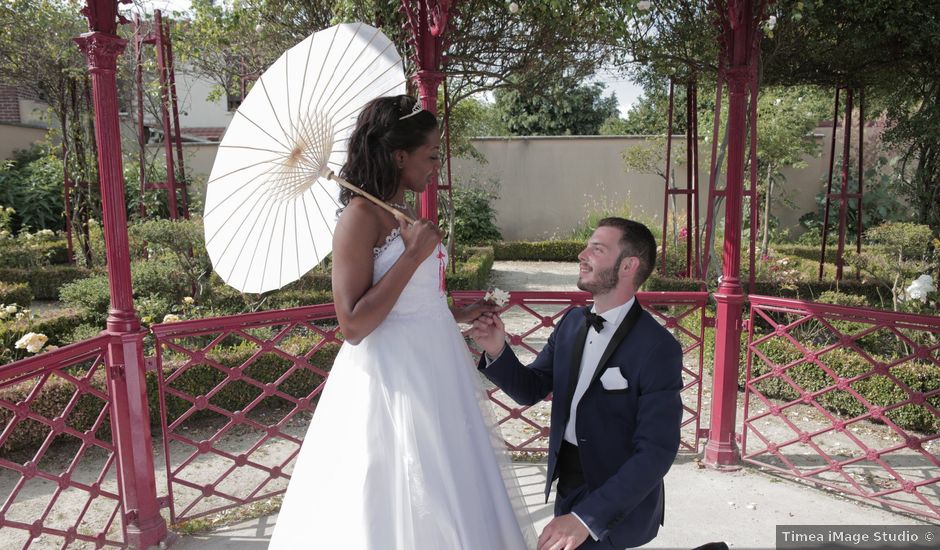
{"x":531,"y":316}
{"x":46,"y":498}
{"x":266,"y":372}
{"x":236,"y":394}
{"x":846,"y":398}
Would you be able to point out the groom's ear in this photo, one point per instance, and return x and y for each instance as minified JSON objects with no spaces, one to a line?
{"x":628,"y":268}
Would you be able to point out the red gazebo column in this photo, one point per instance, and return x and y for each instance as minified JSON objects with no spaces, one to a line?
{"x":143,"y":525}
{"x":739,"y":26}
{"x":428,"y":20}
{"x":428,"y":82}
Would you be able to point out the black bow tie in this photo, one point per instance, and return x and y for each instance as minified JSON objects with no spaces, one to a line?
{"x":592,"y":319}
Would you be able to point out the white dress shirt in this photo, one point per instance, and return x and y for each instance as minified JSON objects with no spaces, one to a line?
{"x":594,"y":347}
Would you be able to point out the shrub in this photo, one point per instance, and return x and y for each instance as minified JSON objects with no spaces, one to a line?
{"x":178,"y":241}
{"x":474,"y":216}
{"x":549,"y":251}
{"x":878,"y":390}
{"x":161,"y":276}
{"x":32,"y":185}
{"x":658,"y":283}
{"x":15,"y":293}
{"x":472,"y":269}
{"x":44,"y":282}
{"x":90,"y":297}
{"x":32,"y":250}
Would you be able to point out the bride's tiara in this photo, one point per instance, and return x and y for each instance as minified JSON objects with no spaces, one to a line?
{"x":414,"y":110}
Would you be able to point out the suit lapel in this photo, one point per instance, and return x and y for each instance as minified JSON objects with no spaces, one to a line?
{"x":575,"y":367}
{"x":632,"y":317}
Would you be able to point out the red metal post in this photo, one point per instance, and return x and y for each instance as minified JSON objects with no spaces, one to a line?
{"x":739,"y":28}
{"x":174,"y":108}
{"x":861,"y":175}
{"x":143,"y":525}
{"x":843,"y":192}
{"x":832,"y":158}
{"x":428,"y":20}
{"x":665,"y":240}
{"x":689,"y":173}
{"x":165,"y":114}
{"x":141,"y":130}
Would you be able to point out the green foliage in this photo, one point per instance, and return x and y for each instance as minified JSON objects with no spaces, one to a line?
{"x":548,"y":251}
{"x":32,"y":185}
{"x":180,"y":242}
{"x":844,"y":363}
{"x":44,"y":282}
{"x":882,"y":203}
{"x":473,"y":267}
{"x":474,"y":219}
{"x":32,"y":250}
{"x":6,"y":220}
{"x":90,"y":297}
{"x":15,"y":293}
{"x":843,"y":299}
{"x":907,"y":253}
{"x":565,"y":108}
{"x":649,"y":115}
{"x":658,"y":283}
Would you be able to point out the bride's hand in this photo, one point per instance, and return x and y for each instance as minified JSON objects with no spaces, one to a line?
{"x":471,"y":312}
{"x":421,"y":237}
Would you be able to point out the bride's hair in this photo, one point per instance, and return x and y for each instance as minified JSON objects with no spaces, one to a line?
{"x":385,"y":125}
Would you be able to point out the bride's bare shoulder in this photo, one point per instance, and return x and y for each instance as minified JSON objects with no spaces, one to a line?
{"x":360,"y":220}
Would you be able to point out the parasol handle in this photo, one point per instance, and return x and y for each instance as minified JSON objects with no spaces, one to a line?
{"x":394,"y":211}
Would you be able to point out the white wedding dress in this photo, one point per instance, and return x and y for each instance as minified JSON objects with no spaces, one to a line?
{"x":398,"y":455}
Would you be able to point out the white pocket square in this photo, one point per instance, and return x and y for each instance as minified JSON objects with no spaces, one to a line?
{"x":613,"y":380}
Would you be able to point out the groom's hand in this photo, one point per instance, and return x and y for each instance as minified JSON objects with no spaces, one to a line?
{"x":563,"y":533}
{"x":489,"y":333}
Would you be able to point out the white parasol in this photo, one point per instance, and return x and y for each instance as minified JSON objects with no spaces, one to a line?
{"x":272,"y":197}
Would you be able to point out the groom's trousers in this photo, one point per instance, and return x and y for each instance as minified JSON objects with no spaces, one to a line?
{"x":571,"y":489}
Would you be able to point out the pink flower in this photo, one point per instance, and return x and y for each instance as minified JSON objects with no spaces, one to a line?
{"x":683,"y":233}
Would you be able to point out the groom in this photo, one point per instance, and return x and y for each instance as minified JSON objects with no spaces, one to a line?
{"x":615,"y":376}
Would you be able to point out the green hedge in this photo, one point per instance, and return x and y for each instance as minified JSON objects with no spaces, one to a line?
{"x":812,"y":290}
{"x":15,"y":293}
{"x":878,"y":390}
{"x":807,"y":252}
{"x":472,"y":269}
{"x":45,"y":282}
{"x":29,"y":254}
{"x":198,"y":380}
{"x":546,"y":251}
{"x":657,"y":283}
{"x":57,"y":327}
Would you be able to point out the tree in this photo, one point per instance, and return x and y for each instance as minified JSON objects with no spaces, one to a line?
{"x":786,"y":119}
{"x":892,"y":49}
{"x":37,"y":53}
{"x":565,"y":107}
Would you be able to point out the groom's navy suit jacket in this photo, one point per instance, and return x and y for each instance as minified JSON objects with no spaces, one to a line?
{"x":627,"y":439}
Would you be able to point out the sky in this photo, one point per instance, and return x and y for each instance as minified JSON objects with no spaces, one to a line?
{"x":627,"y":92}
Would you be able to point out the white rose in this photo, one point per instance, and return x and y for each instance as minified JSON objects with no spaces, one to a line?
{"x":188,"y":300}
{"x":920,"y":288}
{"x":171,"y":318}
{"x":497,"y":296}
{"x":11,"y":309}
{"x":32,"y":341}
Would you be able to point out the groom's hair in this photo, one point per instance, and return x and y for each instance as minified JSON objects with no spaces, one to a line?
{"x":635,"y":240}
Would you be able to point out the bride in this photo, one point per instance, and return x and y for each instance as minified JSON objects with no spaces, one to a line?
{"x":398,"y":454}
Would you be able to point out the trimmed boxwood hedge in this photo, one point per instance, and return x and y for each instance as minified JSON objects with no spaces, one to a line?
{"x":546,"y":251}
{"x":198,"y":380}
{"x":44,"y":282}
{"x":878,"y":390}
{"x":15,"y":293}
